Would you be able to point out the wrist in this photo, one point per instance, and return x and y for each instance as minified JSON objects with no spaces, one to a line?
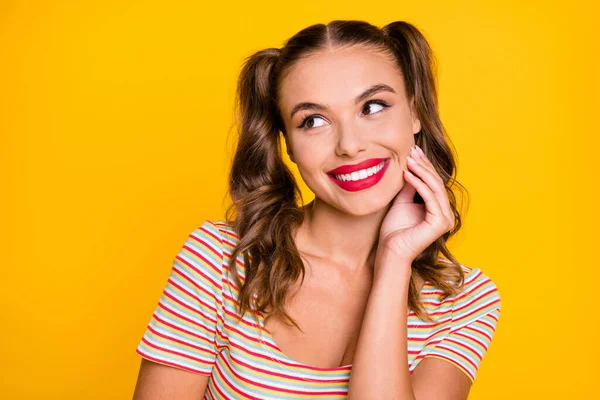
{"x":390,"y":265}
{"x":389,"y":246}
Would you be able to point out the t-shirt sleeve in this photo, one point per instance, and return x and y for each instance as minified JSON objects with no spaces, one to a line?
{"x":184,"y":327}
{"x":475,"y":316}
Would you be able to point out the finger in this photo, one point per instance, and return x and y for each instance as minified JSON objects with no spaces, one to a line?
{"x":435,"y":186}
{"x":407,"y":193}
{"x":432,"y":179}
{"x":421,"y":157}
{"x":431,"y":203}
{"x":445,"y":204}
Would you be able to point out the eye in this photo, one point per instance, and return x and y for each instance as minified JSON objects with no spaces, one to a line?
{"x":304,"y":123}
{"x":371,"y":103}
{"x":369,"y":106}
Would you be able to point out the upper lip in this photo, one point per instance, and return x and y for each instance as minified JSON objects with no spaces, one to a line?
{"x":346,"y":169}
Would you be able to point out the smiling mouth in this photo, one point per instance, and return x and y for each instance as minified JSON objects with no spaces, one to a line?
{"x":366,"y":178}
{"x":360,"y":174}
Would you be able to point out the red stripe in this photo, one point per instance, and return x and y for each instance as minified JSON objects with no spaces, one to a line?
{"x":228,"y":227}
{"x":229,"y":253}
{"x":429,"y":325}
{"x":255,"y":339}
{"x":259,"y":355}
{"x":164,"y":336}
{"x":456,"y":342}
{"x":223,"y":395}
{"x":275,"y":388}
{"x":221,"y":375}
{"x":199,"y":311}
{"x":178,"y":354}
{"x":467,"y":289}
{"x":472,"y":280}
{"x":479,"y":331}
{"x":430,"y":345}
{"x":437,"y":302}
{"x":210,"y":233}
{"x":209,"y":395}
{"x":194,"y":296}
{"x":169,"y":363}
{"x":175,"y":327}
{"x":206,"y":245}
{"x":440,"y":312}
{"x":290,"y":377}
{"x":415,"y":339}
{"x":252,"y":339}
{"x":455,"y":352}
{"x":243,"y":320}
{"x":488,"y":305}
{"x":228,"y":297}
{"x":231,"y":237}
{"x":432,"y":291}
{"x":170,"y":311}
{"x":459,"y":333}
{"x":417,"y":351}
{"x":475,"y":300}
{"x":198,"y":286}
{"x":482,"y":321}
{"x":199,"y":271}
{"x":282,"y":361}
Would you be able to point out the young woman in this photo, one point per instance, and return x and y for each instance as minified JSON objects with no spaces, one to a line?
{"x":347,"y":296}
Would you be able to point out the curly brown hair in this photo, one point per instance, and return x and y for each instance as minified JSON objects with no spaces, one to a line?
{"x":265,"y":196}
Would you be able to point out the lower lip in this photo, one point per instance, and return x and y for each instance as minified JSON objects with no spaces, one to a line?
{"x":361,"y":184}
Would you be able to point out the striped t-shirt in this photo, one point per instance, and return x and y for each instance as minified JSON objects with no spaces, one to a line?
{"x":194,"y":327}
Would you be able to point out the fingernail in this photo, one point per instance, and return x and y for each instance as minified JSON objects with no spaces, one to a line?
{"x":414,"y":152}
{"x":420,"y":151}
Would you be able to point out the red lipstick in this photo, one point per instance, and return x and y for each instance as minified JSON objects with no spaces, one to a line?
{"x":359,"y":184}
{"x":349,"y":168}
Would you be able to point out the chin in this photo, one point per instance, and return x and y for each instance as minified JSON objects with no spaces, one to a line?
{"x":365,"y":206}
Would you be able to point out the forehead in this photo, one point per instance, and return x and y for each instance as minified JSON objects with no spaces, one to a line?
{"x":337,"y":76}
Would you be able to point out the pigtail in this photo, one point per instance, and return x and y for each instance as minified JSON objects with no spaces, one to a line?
{"x":418,"y":64}
{"x":264,"y":194}
{"x":419,"y":67}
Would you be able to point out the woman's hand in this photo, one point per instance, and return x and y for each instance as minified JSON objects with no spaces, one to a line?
{"x":408,"y":227}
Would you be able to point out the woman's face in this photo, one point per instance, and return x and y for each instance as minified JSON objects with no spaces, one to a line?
{"x":355,"y":111}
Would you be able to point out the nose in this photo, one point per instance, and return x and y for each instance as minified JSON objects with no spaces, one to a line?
{"x":350,"y":142}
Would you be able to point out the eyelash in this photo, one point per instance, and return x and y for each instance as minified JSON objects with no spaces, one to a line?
{"x":379,"y":102}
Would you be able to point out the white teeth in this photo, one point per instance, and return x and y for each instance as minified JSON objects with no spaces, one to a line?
{"x":362,"y":174}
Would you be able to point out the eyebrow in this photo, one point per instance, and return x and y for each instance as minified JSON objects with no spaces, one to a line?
{"x":381,"y":87}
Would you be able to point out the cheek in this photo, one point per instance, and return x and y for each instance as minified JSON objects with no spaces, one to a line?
{"x":310,"y":155}
{"x":396,"y":134}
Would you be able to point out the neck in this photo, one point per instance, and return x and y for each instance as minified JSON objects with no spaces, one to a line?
{"x":347,"y":240}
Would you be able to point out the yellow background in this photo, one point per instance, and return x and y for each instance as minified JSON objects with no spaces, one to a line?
{"x":114,"y":124}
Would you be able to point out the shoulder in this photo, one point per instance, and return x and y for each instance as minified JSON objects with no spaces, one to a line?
{"x":200,"y":259}
{"x":216,"y":233}
{"x":222,"y":237}
{"x":478,"y":297}
{"x":477,"y":282}
{"x":225,"y":231}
